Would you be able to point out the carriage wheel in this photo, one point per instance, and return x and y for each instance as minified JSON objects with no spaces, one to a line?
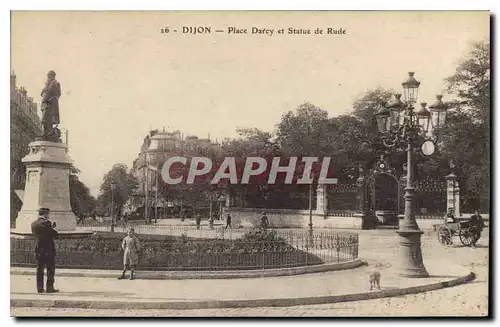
{"x":467,"y":236}
{"x":444,"y":235}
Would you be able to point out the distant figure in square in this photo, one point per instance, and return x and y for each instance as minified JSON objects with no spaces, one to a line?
{"x":264,"y":221}
{"x":477,"y":223}
{"x":131,"y":248}
{"x":374,"y":280}
{"x":81,"y":218}
{"x":198,"y":221}
{"x":228,"y":221}
{"x":449,"y":217}
{"x":211,"y":222}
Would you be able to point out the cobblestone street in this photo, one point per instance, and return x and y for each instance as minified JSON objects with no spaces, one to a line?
{"x":464,"y":300}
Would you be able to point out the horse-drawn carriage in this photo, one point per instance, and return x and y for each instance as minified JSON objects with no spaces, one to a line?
{"x":468,"y":232}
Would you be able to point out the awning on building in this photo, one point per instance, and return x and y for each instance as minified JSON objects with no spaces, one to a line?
{"x":20,"y":194}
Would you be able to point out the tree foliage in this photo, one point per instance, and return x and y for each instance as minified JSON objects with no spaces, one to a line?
{"x":468,"y":133}
{"x":301,"y":133}
{"x":125,"y":187}
{"x":80,"y":199}
{"x":471,"y":83}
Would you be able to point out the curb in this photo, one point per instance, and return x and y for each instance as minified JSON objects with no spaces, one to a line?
{"x":179,"y":305}
{"x":222,"y":274}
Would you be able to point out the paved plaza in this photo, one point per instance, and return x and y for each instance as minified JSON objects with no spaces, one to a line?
{"x":375,"y":246}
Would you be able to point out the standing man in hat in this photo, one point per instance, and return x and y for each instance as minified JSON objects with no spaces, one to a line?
{"x":45,"y":250}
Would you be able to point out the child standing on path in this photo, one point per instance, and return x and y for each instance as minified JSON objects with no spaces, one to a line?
{"x":131,"y":248}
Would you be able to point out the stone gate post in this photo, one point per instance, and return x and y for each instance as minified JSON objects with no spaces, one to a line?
{"x":363,"y":202}
{"x":453,"y":194}
{"x":321,"y":200}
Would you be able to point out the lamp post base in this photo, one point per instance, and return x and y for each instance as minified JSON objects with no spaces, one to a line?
{"x":412,"y":264}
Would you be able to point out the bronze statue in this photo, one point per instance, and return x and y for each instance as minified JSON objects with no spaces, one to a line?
{"x":50,"y":108}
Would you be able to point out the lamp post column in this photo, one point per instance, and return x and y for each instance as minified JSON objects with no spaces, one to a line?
{"x":311,"y":208}
{"x":112,"y":206}
{"x":412,"y":264}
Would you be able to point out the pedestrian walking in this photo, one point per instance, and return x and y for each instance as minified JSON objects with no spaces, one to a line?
{"x":131,"y":248}
{"x":477,"y":223}
{"x":198,"y":221}
{"x":81,"y":218}
{"x":264,"y":221}
{"x":211,"y":222}
{"x":45,"y":250}
{"x":228,"y":221}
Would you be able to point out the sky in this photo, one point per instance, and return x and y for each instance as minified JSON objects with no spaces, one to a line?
{"x":121,"y":77}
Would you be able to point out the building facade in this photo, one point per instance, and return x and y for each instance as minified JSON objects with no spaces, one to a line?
{"x":155,"y":149}
{"x":25,"y":125}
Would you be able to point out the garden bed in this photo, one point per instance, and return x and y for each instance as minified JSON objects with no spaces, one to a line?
{"x":255,"y":250}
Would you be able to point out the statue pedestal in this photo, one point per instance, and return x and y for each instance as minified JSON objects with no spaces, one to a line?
{"x":47,"y":186}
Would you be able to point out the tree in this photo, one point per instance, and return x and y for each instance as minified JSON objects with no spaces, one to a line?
{"x":125,"y":187}
{"x":467,"y":141}
{"x":471,"y":83}
{"x":302,"y":133}
{"x":80,"y":199}
{"x":365,"y":108}
{"x":251,"y":142}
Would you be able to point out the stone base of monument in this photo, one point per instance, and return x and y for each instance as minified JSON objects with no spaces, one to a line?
{"x":47,"y":186}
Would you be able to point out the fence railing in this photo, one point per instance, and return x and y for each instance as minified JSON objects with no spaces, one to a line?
{"x":217,"y":232}
{"x":349,"y":213}
{"x":341,"y":213}
{"x":270,"y":250}
{"x":173,"y":230}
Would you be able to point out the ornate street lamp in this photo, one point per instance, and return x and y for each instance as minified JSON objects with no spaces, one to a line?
{"x":438,"y":114}
{"x":401,"y":128}
{"x":424,"y":116}
{"x":113,"y":187}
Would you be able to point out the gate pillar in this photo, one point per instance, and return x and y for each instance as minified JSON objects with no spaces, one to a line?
{"x":453,"y":194}
{"x":363,"y":202}
{"x":321,"y":200}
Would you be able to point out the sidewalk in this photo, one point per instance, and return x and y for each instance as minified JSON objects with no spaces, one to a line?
{"x":327,"y":287}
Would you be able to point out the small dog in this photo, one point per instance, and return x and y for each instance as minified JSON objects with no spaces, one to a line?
{"x":374,"y":280}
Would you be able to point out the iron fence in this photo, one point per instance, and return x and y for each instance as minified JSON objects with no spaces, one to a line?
{"x":217,"y":232}
{"x":342,"y":213}
{"x":271,"y":250}
{"x":438,"y":215}
{"x":204,"y":231}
